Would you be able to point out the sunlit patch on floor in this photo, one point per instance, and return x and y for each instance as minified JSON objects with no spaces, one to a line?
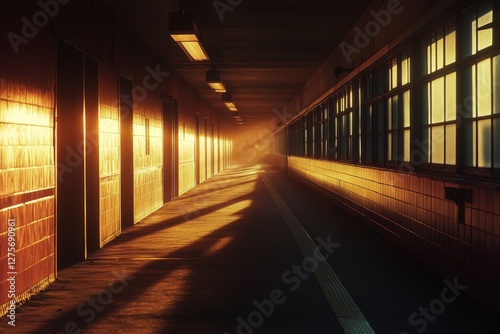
{"x":221,"y":244}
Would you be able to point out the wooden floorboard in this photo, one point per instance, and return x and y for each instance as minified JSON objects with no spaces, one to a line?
{"x":201,"y":262}
{"x":193,"y":266}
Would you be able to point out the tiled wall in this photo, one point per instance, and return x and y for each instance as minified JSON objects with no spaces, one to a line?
{"x":210,"y":150}
{"x":186,"y":137}
{"x":411,"y":211}
{"x":109,"y":160}
{"x":148,"y":186}
{"x":202,"y":146}
{"x":216,"y":152}
{"x":27,"y":174}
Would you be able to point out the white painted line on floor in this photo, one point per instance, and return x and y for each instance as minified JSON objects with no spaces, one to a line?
{"x":345,"y":309}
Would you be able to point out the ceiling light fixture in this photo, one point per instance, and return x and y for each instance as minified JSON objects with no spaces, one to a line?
{"x":213,"y":80}
{"x":185,"y":32}
{"x":227,"y":98}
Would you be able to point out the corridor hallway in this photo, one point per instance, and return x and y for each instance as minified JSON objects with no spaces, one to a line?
{"x":211,"y":260}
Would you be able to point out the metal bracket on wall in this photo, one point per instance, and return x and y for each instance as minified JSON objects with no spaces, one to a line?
{"x":460,"y":196}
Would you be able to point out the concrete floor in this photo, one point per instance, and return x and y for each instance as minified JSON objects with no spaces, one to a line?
{"x":220,"y":259}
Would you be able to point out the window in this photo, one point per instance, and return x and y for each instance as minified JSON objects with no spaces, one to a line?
{"x":378,"y":120}
{"x":440,"y":48}
{"x":294,"y":139}
{"x":345,"y":127}
{"x":398,"y":109}
{"x":381,"y":85}
{"x":439,"y":98}
{"x":482,"y":114}
{"x":323,"y":130}
{"x":439,"y":119}
{"x":357,"y":121}
{"x":478,"y":29}
{"x":311,"y":125}
{"x":481,"y":91}
{"x":332,"y":129}
{"x":366,"y":120}
{"x":455,"y":95}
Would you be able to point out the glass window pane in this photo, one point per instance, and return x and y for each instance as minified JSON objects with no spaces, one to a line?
{"x":405,"y":70}
{"x":496,"y":85}
{"x":469,"y":33}
{"x":450,"y":44}
{"x":389,"y":146}
{"x":470,"y":148}
{"x":395,"y":112}
{"x":496,"y":141}
{"x":351,"y":100}
{"x":407,"y":145}
{"x":426,"y":144}
{"x":437,"y":147}
{"x":433,"y":56}
{"x":380,"y":146}
{"x":367,"y":132}
{"x":469,"y":83}
{"x":484,"y":39}
{"x":451,"y":97}
{"x":426,"y":102}
{"x":377,"y":82}
{"x":395,"y":147}
{"x":485,"y":18}
{"x":406,"y":110}
{"x":484,"y":88}
{"x":440,"y":49}
{"x":389,"y":76}
{"x":484,"y":143}
{"x":485,"y":14}
{"x":394,"y":73}
{"x":366,"y":95}
{"x":351,"y":123}
{"x":379,"y":117}
{"x":428,"y":58}
{"x":451,"y":144}
{"x":389,"y":114}
{"x":437,"y":100}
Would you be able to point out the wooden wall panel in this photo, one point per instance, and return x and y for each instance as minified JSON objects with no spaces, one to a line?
{"x":27,"y":167}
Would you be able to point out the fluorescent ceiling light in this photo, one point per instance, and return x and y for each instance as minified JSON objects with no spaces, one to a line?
{"x":227,"y":98}
{"x":213,"y":80}
{"x":185,"y":32}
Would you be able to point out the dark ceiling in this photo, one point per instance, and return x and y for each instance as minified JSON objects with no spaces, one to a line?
{"x":265,"y":50}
